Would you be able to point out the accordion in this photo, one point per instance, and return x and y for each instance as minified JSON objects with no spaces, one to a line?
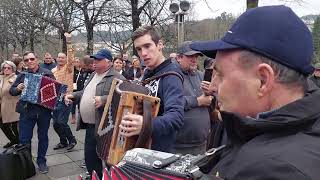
{"x":140,"y":163}
{"x":42,"y":90}
{"x":125,"y":96}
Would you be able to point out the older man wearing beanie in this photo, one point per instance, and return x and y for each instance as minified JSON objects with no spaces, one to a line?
{"x":92,"y":100}
{"x":271,"y":113}
{"x":192,"y":137}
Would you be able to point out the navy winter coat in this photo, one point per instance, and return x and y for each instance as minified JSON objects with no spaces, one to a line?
{"x":282,"y":144}
{"x":170,"y":117}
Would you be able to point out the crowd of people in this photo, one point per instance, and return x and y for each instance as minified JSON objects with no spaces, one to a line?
{"x":256,"y":100}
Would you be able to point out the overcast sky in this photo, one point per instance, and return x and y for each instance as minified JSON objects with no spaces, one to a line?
{"x":236,"y":7}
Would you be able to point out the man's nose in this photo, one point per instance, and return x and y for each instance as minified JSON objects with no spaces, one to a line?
{"x":143,"y":52}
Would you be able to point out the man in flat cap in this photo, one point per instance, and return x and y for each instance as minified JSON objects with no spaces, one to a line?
{"x":92,"y":100}
{"x":271,"y":113}
{"x":196,"y":103}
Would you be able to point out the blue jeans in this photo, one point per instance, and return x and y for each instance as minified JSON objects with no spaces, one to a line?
{"x":60,"y":118}
{"x":93,"y":162}
{"x":26,"y":125}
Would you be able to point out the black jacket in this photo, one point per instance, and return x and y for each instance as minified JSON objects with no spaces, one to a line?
{"x":284,"y":144}
{"x":81,"y":78}
{"x":170,"y":117}
{"x":315,"y":79}
{"x":129,"y":73}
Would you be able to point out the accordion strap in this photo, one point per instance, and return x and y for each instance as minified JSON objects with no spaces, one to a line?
{"x":146,"y":130}
{"x":148,"y":80}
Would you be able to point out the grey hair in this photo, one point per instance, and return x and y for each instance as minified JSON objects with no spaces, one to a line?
{"x":10,"y":63}
{"x":284,"y":74}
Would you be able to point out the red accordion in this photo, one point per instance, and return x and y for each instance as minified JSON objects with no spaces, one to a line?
{"x":42,"y":90}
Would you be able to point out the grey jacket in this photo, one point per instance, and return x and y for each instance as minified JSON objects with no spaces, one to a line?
{"x":196,"y":126}
{"x":102,"y":90}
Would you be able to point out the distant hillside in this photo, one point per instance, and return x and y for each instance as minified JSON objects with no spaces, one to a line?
{"x":194,"y":30}
{"x":310,"y":17}
{"x":102,"y":36}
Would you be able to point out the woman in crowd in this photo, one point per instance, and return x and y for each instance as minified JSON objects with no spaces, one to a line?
{"x":9,"y":118}
{"x":118,"y":64}
{"x":18,"y":61}
{"x":134,"y":72}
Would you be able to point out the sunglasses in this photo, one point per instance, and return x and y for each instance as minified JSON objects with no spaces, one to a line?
{"x":30,"y":59}
{"x":7,"y":68}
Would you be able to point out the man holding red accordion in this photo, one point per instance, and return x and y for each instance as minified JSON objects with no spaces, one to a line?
{"x":30,"y":114}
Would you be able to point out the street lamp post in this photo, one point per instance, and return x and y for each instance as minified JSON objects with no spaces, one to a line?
{"x":179,"y":11}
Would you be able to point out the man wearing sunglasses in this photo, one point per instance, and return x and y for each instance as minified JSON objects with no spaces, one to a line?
{"x":31,"y":114}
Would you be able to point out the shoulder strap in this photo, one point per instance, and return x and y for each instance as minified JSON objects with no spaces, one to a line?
{"x":148,"y":80}
{"x":146,"y":131}
{"x":198,"y":169}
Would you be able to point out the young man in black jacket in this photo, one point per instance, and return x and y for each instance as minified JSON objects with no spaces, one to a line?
{"x":271,"y":113}
{"x":168,"y":88}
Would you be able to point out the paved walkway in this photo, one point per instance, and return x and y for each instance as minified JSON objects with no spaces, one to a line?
{"x":62,"y":165}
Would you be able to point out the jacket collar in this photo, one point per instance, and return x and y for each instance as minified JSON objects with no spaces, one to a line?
{"x":111,"y":72}
{"x":192,"y":73}
{"x":296,"y":116}
{"x":150,"y":73}
{"x":37,"y":71}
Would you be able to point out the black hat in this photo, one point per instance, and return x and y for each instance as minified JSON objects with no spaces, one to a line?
{"x":275,"y":32}
{"x":185,"y":49}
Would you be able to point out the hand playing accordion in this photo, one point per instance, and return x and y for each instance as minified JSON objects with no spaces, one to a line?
{"x":131,"y":124}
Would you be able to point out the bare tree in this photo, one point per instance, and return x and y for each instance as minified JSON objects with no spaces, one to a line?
{"x":60,"y":14}
{"x":16,"y":24}
{"x":91,"y":10}
{"x":131,"y":14}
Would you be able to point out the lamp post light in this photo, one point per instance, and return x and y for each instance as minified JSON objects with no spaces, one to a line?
{"x":179,"y":11}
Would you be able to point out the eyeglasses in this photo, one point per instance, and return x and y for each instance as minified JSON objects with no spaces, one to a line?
{"x":30,"y":59}
{"x":7,"y":68}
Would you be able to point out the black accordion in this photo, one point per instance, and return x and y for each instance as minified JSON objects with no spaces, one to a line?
{"x":146,"y":164}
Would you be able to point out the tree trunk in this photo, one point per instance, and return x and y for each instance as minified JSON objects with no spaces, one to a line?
{"x":135,"y":20}
{"x":43,"y":40}
{"x":64,"y":42}
{"x":252,"y":4}
{"x":2,"y":52}
{"x":89,"y":39}
{"x":7,"y":49}
{"x":32,"y":40}
{"x":23,"y":46}
{"x":14,"y":45}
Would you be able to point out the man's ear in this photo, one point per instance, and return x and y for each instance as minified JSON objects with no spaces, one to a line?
{"x":178,"y":58}
{"x":267,"y":78}
{"x":160,"y":44}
